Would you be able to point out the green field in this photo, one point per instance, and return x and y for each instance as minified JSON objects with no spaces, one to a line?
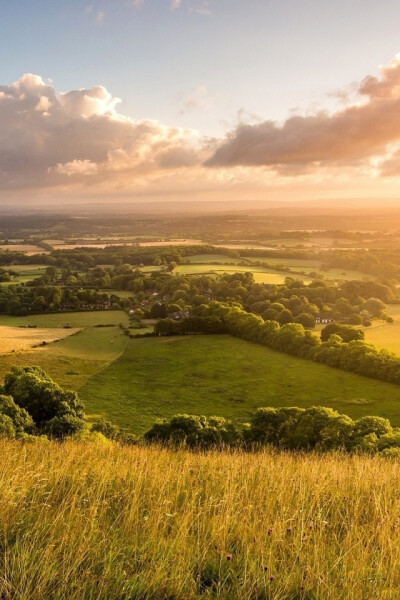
{"x":206,"y":263}
{"x":220,"y":375}
{"x":73,"y":360}
{"x":261,"y":275}
{"x":74,"y":319}
{"x":218,"y":258}
{"x":385,"y":335}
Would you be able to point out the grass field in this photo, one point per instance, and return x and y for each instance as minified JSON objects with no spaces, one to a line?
{"x":261,"y":275}
{"x":384,"y":335}
{"x":72,"y":360}
{"x":74,"y":319}
{"x":85,"y":521}
{"x":203,"y":263}
{"x":220,"y":375}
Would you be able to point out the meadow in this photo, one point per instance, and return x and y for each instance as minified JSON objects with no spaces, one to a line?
{"x":224,"y":376}
{"x":83,"y":520}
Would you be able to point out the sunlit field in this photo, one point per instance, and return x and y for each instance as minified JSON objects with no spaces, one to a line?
{"x":224,"y":376}
{"x":82,"y":520}
{"x":16,"y":338}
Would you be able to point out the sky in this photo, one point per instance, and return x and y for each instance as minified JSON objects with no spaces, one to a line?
{"x":189,"y":100}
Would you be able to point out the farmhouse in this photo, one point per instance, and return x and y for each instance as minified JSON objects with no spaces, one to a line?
{"x":324,"y":320}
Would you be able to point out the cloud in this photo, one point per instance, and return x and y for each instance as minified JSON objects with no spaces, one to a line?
{"x":201,"y":7}
{"x":50,"y":139}
{"x":100,"y":17}
{"x":197,"y":99}
{"x":349,"y":137}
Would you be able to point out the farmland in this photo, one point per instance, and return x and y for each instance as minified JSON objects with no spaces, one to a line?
{"x":218,"y":264}
{"x":13,"y":339}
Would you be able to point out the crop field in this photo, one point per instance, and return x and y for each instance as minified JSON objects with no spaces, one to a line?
{"x":28,"y":249}
{"x":18,"y":338}
{"x":225,"y":376}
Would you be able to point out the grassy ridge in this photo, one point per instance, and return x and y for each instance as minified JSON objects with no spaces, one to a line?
{"x":224,"y":376}
{"x":103,"y":522}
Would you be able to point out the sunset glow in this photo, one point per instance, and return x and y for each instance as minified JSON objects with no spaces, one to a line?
{"x":84,"y":134}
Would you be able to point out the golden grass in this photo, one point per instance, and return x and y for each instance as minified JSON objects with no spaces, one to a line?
{"x":18,"y":338}
{"x":86,"y":521}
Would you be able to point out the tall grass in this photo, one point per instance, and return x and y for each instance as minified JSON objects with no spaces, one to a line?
{"x":83,"y":521}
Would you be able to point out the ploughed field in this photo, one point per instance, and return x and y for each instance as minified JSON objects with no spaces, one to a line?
{"x":82,"y":520}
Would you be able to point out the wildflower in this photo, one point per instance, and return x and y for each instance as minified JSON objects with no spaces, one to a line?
{"x":271,"y":577}
{"x":269,"y":531}
{"x":229,"y":557}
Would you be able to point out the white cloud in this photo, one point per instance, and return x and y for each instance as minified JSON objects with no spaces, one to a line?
{"x":349,"y":137}
{"x":46,"y":137}
{"x":175,"y":4}
{"x":197,"y":99}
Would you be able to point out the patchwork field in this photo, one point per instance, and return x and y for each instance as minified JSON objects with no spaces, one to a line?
{"x":206,"y":263}
{"x":220,"y":375}
{"x":72,"y":360}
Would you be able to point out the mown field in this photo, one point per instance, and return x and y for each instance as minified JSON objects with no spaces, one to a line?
{"x":225,"y":376}
{"x":86,"y":521}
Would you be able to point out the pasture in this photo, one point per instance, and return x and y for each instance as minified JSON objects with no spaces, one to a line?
{"x":207,"y":263}
{"x":72,"y":319}
{"x":261,"y":275}
{"x":224,"y":376}
{"x":384,"y":335}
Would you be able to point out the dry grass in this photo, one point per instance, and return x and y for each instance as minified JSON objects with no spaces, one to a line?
{"x":20,"y":338}
{"x":84,"y":521}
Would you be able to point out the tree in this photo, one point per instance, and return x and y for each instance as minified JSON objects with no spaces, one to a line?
{"x":7,"y":429}
{"x":44,"y":400}
{"x":21,"y":419}
{"x":305,"y":319}
{"x":346,"y":332}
